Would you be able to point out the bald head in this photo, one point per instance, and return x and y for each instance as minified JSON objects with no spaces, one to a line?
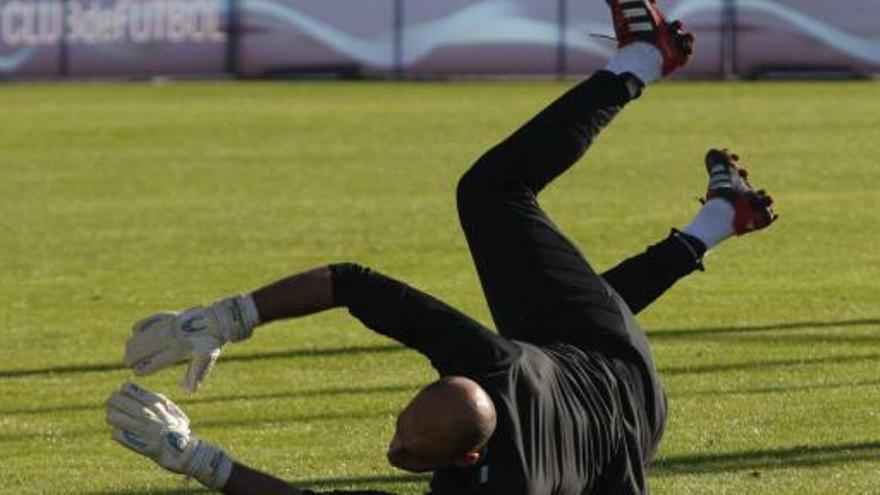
{"x":466,"y":407}
{"x":447,"y":423}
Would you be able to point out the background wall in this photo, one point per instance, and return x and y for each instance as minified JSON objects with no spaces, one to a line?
{"x":254,"y":38}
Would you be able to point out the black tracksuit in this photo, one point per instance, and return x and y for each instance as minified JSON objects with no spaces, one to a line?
{"x":580,"y":407}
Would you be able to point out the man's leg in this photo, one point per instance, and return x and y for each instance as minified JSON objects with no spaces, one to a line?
{"x":533,"y":277}
{"x":530,"y":272}
{"x":732,"y":207}
{"x":643,"y":278}
{"x":538,"y":285}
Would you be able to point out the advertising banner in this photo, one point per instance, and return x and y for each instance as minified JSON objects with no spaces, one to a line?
{"x":482,"y":38}
{"x":113,"y":37}
{"x":807,"y":34}
{"x":30,"y":37}
{"x":313,"y":36}
{"x":257,"y":38}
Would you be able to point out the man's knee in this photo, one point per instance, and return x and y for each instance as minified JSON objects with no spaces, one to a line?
{"x":487,"y":178}
{"x":471,"y":191}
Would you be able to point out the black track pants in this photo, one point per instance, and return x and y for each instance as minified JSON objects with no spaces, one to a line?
{"x":538,"y":285}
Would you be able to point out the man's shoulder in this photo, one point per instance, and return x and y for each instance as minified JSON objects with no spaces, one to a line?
{"x":450,"y":481}
{"x":498,"y":474}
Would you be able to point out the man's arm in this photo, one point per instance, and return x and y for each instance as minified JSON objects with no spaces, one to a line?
{"x":295,"y":296}
{"x":247,"y":481}
{"x":153,"y":426}
{"x":199,"y":333}
{"x":455,"y":343}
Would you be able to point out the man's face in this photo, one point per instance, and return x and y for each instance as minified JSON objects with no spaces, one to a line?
{"x":416,"y":446}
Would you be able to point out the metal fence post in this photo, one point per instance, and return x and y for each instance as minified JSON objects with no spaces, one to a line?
{"x":398,"y":27}
{"x":233,"y":37}
{"x":729,"y":33}
{"x":562,"y":42}
{"x":63,"y":48}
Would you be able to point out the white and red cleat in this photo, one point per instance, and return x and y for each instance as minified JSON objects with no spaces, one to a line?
{"x":753,"y":210}
{"x":642,"y":20}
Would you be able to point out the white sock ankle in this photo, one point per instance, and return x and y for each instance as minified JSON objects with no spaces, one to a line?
{"x":713,"y":223}
{"x":641,"y":59}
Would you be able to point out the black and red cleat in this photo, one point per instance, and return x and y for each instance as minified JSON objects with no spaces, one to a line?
{"x":642,"y":20}
{"x":753,"y":210}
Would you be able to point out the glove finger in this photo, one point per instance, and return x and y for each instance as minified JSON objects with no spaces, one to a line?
{"x":174,"y":416}
{"x":165,"y":358}
{"x":143,"y":396}
{"x":131,"y":407}
{"x":139,"y":410}
{"x":160,"y":406}
{"x":199,"y":367}
{"x":131,"y":440}
{"x":119,"y":419}
{"x":149,"y":337}
{"x":141,"y":347}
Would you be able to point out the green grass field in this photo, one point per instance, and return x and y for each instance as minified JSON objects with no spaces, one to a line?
{"x":121,"y":200}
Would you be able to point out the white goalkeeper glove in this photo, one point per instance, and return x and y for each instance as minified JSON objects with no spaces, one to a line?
{"x":198,"y":334}
{"x":155,"y":427}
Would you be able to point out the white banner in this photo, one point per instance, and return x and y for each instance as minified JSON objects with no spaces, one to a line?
{"x":33,"y":23}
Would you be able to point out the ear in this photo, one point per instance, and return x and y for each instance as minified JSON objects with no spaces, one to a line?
{"x":468,"y":459}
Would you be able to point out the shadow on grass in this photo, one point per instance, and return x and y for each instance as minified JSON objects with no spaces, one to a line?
{"x":397,"y":388}
{"x":290,"y":394}
{"x":294,"y":418}
{"x":782,"y":458}
{"x":318,"y":392}
{"x":167,"y":491}
{"x":263,"y":356}
{"x":697,"y":333}
{"x":662,"y":334}
{"x":316,"y":484}
{"x":808,"y":339}
{"x":759,"y":459}
{"x":329,"y":483}
{"x":772,"y":389}
{"x":251,"y":422}
{"x":766,"y":364}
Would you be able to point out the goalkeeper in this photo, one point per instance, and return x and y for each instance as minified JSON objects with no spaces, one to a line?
{"x":565,"y":398}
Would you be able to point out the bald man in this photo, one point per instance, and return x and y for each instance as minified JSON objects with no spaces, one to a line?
{"x":564,"y":399}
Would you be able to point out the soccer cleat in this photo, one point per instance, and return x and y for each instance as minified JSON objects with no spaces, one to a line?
{"x":753,"y":210}
{"x":641,"y":20}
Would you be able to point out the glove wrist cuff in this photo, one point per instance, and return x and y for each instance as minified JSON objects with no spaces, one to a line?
{"x":210,"y":466}
{"x":237,"y":316}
